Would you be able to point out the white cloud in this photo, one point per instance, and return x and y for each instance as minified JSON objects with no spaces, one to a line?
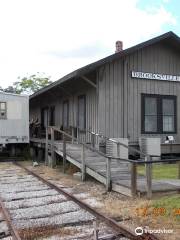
{"x":32,"y":30}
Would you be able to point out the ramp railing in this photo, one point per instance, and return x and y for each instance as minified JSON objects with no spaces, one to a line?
{"x":67,"y":138}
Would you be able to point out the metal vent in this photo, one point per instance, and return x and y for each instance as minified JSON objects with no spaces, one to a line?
{"x":151,"y":145}
{"x":112,"y":150}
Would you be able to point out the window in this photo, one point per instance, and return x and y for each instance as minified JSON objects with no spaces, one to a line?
{"x":158,"y":113}
{"x":65,"y":114}
{"x":3,"y":110}
{"x":150,"y":114}
{"x":82,"y":112}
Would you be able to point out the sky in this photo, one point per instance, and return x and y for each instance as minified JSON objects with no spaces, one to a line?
{"x":55,"y":37}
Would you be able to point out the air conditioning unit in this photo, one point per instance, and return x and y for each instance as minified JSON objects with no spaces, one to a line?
{"x":150,"y":145}
{"x":112,"y":150}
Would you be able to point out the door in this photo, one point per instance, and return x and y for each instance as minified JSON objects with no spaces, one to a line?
{"x":81,"y":115}
{"x":65,"y":117}
{"x":44,"y":117}
{"x":52,"y":116}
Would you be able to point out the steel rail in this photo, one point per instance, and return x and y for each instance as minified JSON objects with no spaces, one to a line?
{"x":7,"y":217}
{"x":110,"y":222}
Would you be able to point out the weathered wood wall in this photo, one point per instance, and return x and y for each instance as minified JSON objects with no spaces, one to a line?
{"x":70,"y":93}
{"x":120,"y":95}
{"x":114,"y":109}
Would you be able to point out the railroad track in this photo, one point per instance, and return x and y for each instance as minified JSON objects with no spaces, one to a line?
{"x":32,"y":207}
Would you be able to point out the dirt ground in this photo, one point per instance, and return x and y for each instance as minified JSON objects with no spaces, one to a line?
{"x":127,"y":211}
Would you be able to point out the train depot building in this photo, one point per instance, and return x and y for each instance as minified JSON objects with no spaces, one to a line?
{"x":131,"y":94}
{"x":126,"y":106}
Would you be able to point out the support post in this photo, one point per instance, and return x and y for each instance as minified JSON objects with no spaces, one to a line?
{"x":40,"y":154}
{"x":78,"y":135}
{"x":149,"y":177}
{"x":64,"y":153}
{"x":46,"y":148}
{"x":95,"y":230}
{"x":118,"y":149}
{"x":93,"y":140}
{"x":133,"y":179}
{"x":52,"y":149}
{"x":13,"y":151}
{"x":72,"y":133}
{"x":32,"y":153}
{"x":108,"y":174}
{"x":83,"y":164}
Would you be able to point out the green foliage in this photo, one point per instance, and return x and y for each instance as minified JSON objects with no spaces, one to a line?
{"x":32,"y":83}
{"x":161,"y":171}
{"x":28,"y":84}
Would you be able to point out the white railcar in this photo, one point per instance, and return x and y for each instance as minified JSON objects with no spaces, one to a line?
{"x":14,"y":119}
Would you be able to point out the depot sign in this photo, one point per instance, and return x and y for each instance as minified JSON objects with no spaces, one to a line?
{"x":155,"y":76}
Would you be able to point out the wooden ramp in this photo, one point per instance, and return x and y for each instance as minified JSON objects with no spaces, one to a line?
{"x":96,"y":167}
{"x":120,"y":171}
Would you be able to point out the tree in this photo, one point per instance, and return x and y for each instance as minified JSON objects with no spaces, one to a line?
{"x":32,"y":83}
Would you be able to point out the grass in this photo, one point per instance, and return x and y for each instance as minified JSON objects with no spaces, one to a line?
{"x":168,"y":202}
{"x":170,"y":205}
{"x":162,"y":171}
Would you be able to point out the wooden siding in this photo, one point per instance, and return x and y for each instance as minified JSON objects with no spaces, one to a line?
{"x":114,"y":109}
{"x":110,"y":100}
{"x":57,"y":101}
{"x":156,"y":59}
{"x":120,"y":95}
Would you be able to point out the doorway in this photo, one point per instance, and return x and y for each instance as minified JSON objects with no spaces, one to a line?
{"x":81,"y":115}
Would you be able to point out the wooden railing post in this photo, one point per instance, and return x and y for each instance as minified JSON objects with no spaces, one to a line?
{"x":83,"y":164}
{"x":95,"y":230}
{"x":78,"y":135}
{"x":46,"y":148}
{"x":149,"y":177}
{"x":108,"y":174}
{"x":118,"y":149}
{"x":178,"y":169}
{"x":52,"y":149}
{"x":64,"y":153}
{"x":133,"y":179}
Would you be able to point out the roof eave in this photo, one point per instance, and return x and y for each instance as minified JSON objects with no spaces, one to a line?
{"x":115,"y":56}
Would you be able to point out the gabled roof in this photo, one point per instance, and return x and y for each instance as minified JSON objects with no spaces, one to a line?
{"x":169,"y":37}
